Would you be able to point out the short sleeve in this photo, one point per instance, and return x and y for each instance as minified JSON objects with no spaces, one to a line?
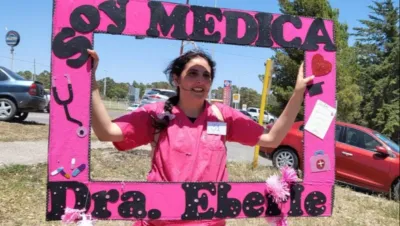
{"x":241,"y":128}
{"x":136,"y":128}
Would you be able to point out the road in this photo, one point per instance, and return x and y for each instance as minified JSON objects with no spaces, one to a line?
{"x":236,"y":152}
{"x":44,"y":117}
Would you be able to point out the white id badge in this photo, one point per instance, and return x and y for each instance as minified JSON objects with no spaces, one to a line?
{"x":217,"y":128}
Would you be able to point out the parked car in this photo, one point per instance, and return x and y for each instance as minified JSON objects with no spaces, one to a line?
{"x":158,"y":94}
{"x":364,"y":158}
{"x":247,"y":114}
{"x":255,"y":113}
{"x":19,"y":96}
{"x":132,"y":107}
{"x":271,"y":118}
{"x":47,"y":98}
{"x":150,"y":101}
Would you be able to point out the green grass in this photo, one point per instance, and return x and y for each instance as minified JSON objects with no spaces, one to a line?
{"x":23,"y":189}
{"x":26,"y":131}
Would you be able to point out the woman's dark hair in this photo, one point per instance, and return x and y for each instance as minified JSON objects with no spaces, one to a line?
{"x":175,"y":68}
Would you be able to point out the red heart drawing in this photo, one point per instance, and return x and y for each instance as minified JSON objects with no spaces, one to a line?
{"x":320,"y":67}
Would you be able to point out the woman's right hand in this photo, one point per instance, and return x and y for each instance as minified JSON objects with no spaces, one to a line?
{"x":95,"y":58}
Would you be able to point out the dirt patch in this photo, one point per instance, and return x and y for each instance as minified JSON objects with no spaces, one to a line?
{"x":26,"y":131}
{"x":23,"y":188}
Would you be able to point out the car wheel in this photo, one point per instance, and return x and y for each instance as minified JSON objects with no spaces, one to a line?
{"x":7,"y":109}
{"x":396,"y":191}
{"x":285,"y":157}
{"x":271,"y":121}
{"x":21,"y":116}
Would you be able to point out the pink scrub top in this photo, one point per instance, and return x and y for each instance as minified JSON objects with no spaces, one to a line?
{"x":185,"y":152}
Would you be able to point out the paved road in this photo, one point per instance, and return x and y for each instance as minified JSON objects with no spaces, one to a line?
{"x":236,"y":152}
{"x":44,"y":117}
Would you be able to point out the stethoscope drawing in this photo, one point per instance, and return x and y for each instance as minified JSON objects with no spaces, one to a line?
{"x":81,"y":131}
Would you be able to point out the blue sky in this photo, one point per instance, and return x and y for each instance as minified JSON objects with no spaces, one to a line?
{"x":126,"y":59}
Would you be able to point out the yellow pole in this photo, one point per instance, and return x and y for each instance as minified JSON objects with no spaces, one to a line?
{"x":265,"y":91}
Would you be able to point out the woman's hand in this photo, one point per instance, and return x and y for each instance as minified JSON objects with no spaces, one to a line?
{"x":288,"y":116}
{"x":95,"y":58}
{"x":301,"y":82}
{"x":95,"y":62}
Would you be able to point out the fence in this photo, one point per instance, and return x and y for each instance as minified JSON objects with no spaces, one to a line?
{"x":116,"y":104}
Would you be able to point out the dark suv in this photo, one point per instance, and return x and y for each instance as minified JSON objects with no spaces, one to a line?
{"x":19,"y":96}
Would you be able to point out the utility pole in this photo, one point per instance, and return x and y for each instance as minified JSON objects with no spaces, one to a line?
{"x":265,"y":91}
{"x":12,"y":58}
{"x":181,"y":50}
{"x":34,"y":70}
{"x":105,"y":85}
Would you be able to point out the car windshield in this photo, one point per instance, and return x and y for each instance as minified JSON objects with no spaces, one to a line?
{"x":388,"y":141}
{"x":13,"y":74}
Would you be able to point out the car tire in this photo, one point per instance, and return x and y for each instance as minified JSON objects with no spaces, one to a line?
{"x":20,"y":117}
{"x":8,"y":107}
{"x":285,"y":156}
{"x":395,"y":191}
{"x":271,"y":121}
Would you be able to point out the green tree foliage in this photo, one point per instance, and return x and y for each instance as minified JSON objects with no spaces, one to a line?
{"x":43,"y":77}
{"x":114,"y":90}
{"x":378,"y":56}
{"x":248,"y":96}
{"x":26,"y":74}
{"x":287,"y":61}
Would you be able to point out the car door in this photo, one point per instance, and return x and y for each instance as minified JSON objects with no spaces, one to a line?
{"x":359,"y":163}
{"x":339,"y":147}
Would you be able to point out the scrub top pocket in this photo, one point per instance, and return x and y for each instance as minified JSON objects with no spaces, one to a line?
{"x":214,"y":142}
{"x":183,"y":143}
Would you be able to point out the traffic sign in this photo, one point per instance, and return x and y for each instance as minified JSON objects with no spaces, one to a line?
{"x":12,"y":38}
{"x":236,"y":98}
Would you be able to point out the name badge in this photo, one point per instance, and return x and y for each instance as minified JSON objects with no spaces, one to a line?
{"x":217,"y":128}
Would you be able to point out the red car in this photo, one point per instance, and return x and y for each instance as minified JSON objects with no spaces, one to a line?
{"x":364,"y":157}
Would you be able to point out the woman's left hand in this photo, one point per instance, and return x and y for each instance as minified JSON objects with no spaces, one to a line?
{"x":301,"y":82}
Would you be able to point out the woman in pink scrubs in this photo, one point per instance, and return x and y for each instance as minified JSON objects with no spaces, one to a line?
{"x":189,"y":148}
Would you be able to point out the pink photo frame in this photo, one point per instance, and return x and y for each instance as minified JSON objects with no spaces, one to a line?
{"x":73,"y":29}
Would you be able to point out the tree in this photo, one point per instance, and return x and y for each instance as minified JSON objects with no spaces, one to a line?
{"x":161,"y":85}
{"x":26,"y":74}
{"x":287,"y":61}
{"x":248,"y":96}
{"x":378,"y":55}
{"x":114,"y":90}
{"x":45,"y":78}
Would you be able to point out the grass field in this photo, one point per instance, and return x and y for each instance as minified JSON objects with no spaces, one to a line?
{"x":23,"y":188}
{"x":26,"y":131}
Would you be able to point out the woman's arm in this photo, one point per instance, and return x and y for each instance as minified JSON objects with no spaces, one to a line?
{"x":102,"y":125}
{"x":285,"y":121}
